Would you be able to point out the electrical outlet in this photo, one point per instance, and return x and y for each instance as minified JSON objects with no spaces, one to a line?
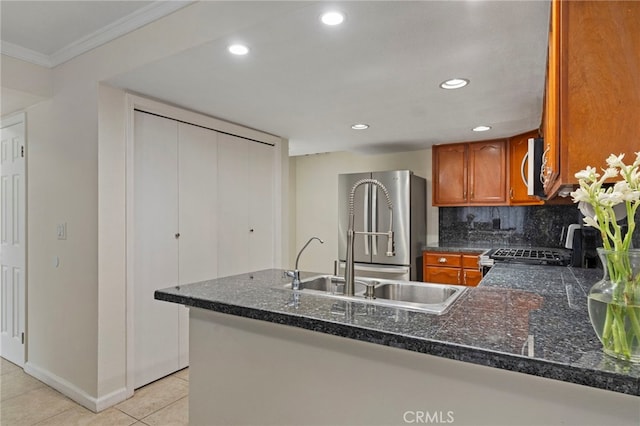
{"x":61,"y":231}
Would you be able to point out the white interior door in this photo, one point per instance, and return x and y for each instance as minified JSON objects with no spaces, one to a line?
{"x":156,"y":323}
{"x":13,"y":253}
{"x":261,"y":206}
{"x":198,"y":217}
{"x":233,"y":206}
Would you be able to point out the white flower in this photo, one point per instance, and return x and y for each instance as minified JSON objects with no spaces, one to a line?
{"x":628,"y":194}
{"x":589,"y":174}
{"x":610,"y":172}
{"x":580,"y":194}
{"x":590,"y":221}
{"x":609,"y":198}
{"x":614,"y":161}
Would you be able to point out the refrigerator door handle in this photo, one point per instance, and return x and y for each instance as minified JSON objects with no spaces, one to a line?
{"x":374,"y":220}
{"x":387,"y":269}
{"x":366,"y":219}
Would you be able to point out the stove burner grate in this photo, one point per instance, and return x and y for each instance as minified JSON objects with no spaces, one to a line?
{"x":536,"y":256}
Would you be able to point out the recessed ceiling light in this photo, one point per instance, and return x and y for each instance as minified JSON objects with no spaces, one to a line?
{"x":332,"y":18}
{"x":238,"y":49}
{"x":360,"y":126}
{"x":454,"y":83}
{"x":481,"y":128}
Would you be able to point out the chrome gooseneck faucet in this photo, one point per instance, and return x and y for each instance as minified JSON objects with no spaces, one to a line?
{"x":349,"y":274}
{"x":295,"y":274}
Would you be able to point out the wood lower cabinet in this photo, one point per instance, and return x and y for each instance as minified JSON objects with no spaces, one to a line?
{"x":451,"y":268}
{"x":473,"y":173}
{"x":592,"y":99}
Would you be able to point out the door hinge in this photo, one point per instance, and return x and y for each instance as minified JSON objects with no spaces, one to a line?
{"x":22,"y":151}
{"x":23,"y":337}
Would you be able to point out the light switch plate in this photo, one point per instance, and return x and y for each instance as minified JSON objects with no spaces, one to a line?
{"x":61,"y":231}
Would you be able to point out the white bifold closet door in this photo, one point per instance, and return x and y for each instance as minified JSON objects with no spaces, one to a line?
{"x":245,"y":205}
{"x":175,"y":233}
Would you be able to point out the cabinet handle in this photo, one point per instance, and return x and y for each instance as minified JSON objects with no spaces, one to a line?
{"x":251,"y":230}
{"x":458,"y":276}
{"x":464,"y":278}
{"x":177,"y":235}
{"x":545,"y":172}
{"x":511,"y":193}
{"x":442,"y":260}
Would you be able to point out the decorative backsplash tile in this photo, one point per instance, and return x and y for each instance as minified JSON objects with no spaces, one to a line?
{"x":535,"y":226}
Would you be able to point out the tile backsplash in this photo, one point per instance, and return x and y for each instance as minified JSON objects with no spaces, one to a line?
{"x":535,"y":226}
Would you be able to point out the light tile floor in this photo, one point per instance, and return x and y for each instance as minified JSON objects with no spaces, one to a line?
{"x":25,"y":401}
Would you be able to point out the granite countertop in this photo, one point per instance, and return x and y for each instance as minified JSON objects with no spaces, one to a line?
{"x":526,"y":318}
{"x":458,"y":248}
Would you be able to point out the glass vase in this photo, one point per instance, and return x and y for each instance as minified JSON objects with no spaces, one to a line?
{"x":614,"y":304}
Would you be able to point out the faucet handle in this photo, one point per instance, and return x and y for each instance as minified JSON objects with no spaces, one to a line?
{"x":390,"y":245}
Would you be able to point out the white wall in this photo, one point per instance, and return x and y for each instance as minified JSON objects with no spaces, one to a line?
{"x":316,"y":198}
{"x":75,"y":174}
{"x":23,"y":84}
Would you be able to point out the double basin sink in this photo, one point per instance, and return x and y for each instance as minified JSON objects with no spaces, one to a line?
{"x":424,"y":297}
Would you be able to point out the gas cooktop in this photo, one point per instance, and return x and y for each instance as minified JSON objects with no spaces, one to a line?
{"x":536,"y":256}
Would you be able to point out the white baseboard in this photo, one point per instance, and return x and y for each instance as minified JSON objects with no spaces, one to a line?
{"x":72,"y":391}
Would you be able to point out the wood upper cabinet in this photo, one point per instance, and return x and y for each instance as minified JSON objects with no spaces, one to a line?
{"x":451,"y":268}
{"x":450,"y":174}
{"x":518,"y":170}
{"x":592,"y":99}
{"x":470,"y":173}
{"x":488,"y":172}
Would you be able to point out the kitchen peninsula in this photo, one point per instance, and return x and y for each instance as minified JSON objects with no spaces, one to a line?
{"x":262,"y":354}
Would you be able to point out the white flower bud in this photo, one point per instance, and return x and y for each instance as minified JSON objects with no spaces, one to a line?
{"x":615,"y":161}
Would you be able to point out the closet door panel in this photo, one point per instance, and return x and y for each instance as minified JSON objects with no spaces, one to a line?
{"x":197,"y":211}
{"x":233,"y":205}
{"x":197,"y":200}
{"x":261,"y":206}
{"x":155,"y":247}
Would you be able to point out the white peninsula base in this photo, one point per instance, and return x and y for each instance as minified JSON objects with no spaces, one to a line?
{"x":249,"y":372}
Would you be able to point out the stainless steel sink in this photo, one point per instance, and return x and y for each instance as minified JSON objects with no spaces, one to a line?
{"x":415,"y":293}
{"x":416,"y":296}
{"x":329,"y":284}
{"x":428,"y":297}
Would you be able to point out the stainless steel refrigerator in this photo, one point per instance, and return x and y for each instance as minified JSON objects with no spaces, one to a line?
{"x":408,"y":196}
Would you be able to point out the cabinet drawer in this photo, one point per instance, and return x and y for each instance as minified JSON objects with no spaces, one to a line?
{"x":443,"y":259}
{"x":442,"y":275}
{"x":470,"y":261}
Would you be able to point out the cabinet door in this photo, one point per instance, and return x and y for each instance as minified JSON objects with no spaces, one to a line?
{"x":518,"y":169}
{"x":488,"y":173}
{"x":471,"y":277}
{"x":449,"y":174}
{"x":261,"y":206}
{"x":443,"y":275}
{"x":551,"y":119}
{"x":233,"y":206}
{"x":155,"y":222}
{"x":594,"y":51}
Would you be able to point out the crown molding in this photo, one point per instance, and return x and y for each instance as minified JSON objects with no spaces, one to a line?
{"x":24,"y":54}
{"x":122,"y":26}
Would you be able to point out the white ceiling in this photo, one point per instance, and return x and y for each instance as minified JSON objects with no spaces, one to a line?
{"x":308,"y":82}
